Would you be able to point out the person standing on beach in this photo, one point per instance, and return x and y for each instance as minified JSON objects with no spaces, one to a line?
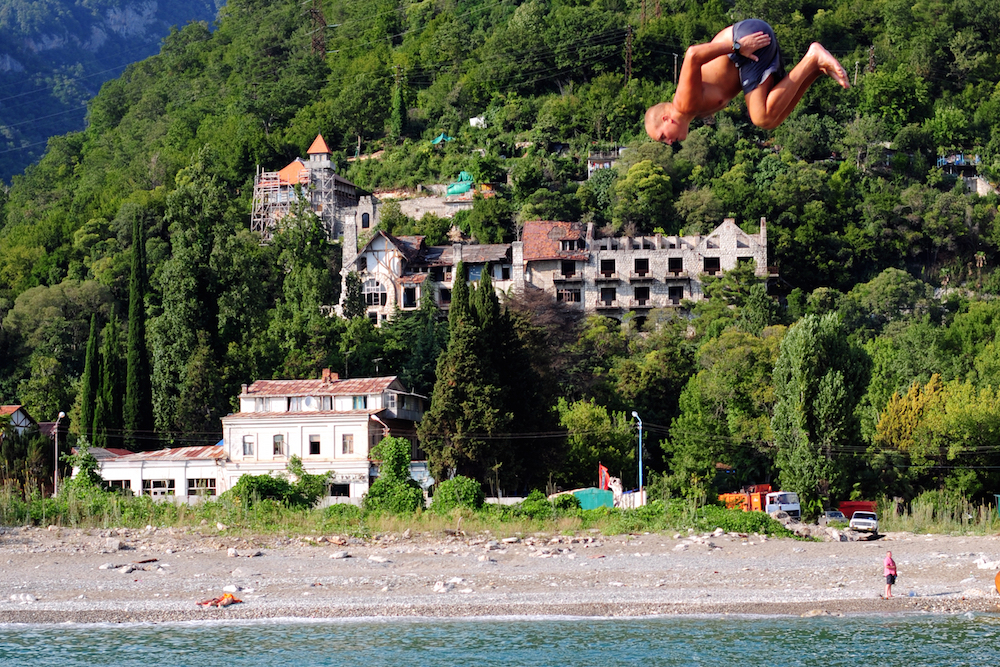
{"x":890,"y":574}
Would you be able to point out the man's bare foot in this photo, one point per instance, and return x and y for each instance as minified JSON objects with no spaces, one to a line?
{"x":829,"y":65}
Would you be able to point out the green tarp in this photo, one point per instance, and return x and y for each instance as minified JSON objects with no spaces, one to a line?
{"x":593,"y":498}
{"x":442,"y":137}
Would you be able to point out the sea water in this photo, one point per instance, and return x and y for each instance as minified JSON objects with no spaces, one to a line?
{"x":882,"y":641}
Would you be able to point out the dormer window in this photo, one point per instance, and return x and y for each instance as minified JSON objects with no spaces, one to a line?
{"x":360,"y":402}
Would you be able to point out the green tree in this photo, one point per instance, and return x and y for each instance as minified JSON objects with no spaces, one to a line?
{"x":595,"y":435}
{"x":108,"y":407}
{"x":137,"y":412}
{"x":394,"y":491}
{"x":643,"y":199}
{"x":90,"y":382}
{"x":819,"y":377}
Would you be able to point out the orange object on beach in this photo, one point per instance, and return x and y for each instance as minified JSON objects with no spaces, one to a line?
{"x":996,"y":582}
{"x":224,"y":600}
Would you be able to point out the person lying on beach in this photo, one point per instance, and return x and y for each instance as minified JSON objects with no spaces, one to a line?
{"x":743,"y":56}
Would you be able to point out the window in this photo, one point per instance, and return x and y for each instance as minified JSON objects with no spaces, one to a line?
{"x":675,"y":265}
{"x":390,"y":400}
{"x":121,"y":485}
{"x":341,"y":490}
{"x":347,"y":444}
{"x":642,"y":266}
{"x":201,"y":487}
{"x":248,"y":445}
{"x":641,"y":296}
{"x":444,"y":295}
{"x":375,"y":294}
{"x":568,"y":295}
{"x":713,"y":242}
{"x":313,"y":445}
{"x":258,"y":405}
{"x":409,"y":297}
{"x":712,"y":265}
{"x":158,"y":488}
{"x":373,"y":316}
{"x":363,"y":264}
{"x":360,"y":402}
{"x":568,"y":269}
{"x":475,"y":272}
{"x":675,"y":294}
{"x":746,"y":260}
{"x":327,"y":403}
{"x":365,"y":221}
{"x":608,"y":295}
{"x":279,"y":445}
{"x":296,"y":404}
{"x":607,"y":267}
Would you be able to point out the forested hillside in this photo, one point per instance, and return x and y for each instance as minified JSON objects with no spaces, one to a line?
{"x":55,"y":54}
{"x":875,"y":372}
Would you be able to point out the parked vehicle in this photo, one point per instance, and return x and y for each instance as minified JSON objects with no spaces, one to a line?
{"x":761,"y":498}
{"x":832,"y":516}
{"x":864,"y":522}
{"x":849,"y":507}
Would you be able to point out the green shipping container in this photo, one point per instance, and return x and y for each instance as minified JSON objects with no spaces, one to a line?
{"x":593,"y":498}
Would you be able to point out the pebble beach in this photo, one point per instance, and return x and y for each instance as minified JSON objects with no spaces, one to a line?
{"x":59,"y":575}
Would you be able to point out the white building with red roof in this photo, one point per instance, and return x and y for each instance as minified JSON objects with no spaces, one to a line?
{"x":331,"y":424}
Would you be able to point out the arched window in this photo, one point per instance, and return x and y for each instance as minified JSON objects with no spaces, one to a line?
{"x":365,"y":221}
{"x":374,"y":292}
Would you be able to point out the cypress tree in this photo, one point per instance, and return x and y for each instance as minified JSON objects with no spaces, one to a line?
{"x":137,"y":412}
{"x":108,"y":408}
{"x":90,"y":384}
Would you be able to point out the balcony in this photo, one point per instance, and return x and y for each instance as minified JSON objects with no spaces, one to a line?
{"x":640,"y":304}
{"x":604,"y":304}
{"x":641,"y":277}
{"x":568,"y":278}
{"x":679,"y":274}
{"x":607,"y":277}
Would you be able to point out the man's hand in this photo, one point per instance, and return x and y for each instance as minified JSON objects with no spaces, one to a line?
{"x":752,"y":43}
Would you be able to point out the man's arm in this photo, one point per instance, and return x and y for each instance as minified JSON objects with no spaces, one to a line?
{"x":689,"y":98}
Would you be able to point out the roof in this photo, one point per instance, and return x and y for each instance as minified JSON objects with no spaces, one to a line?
{"x":295,"y":172}
{"x":108,"y":453}
{"x":325,"y":414}
{"x":348,"y":387}
{"x":479,"y":254}
{"x":207,"y":452}
{"x":318,"y":146}
{"x":543,"y":240}
{"x":414,"y":279}
{"x":8,"y":409}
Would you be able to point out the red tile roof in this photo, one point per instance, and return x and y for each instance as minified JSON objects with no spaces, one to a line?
{"x":349,"y":387}
{"x":479,"y":254}
{"x":325,"y":414}
{"x":543,"y":240}
{"x":318,"y":146}
{"x":8,"y":409}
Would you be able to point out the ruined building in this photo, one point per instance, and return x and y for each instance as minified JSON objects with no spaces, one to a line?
{"x":611,"y":276}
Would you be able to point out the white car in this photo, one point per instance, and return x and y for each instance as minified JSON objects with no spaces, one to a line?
{"x":864,"y":522}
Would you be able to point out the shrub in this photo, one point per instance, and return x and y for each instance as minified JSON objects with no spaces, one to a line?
{"x":738,"y":521}
{"x":535,"y":506}
{"x":566,"y":502}
{"x":458,"y":492}
{"x":394,"y":491}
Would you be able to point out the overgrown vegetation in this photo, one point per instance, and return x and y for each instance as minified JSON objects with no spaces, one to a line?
{"x":871,"y":367}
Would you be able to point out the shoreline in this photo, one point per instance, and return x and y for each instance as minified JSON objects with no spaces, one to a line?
{"x":159,"y":575}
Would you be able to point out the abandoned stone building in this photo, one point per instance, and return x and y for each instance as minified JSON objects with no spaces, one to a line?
{"x":313,"y":183}
{"x":611,"y":275}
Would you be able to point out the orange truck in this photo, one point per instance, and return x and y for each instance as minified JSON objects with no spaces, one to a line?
{"x":849,"y":507}
{"x":752,"y":498}
{"x":760,"y":498}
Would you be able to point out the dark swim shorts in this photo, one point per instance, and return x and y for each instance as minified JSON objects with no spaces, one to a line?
{"x":753,"y":73}
{"x":890,"y":579}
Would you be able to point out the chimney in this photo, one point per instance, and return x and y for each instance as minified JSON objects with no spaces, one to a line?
{"x":326,"y":376}
{"x":244,"y":388}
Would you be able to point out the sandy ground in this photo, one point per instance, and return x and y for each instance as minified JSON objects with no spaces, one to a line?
{"x":66,"y":575}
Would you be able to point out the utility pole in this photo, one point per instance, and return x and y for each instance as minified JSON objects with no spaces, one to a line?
{"x":628,"y":54}
{"x":675,"y":69}
{"x":857,"y":64}
{"x":871,"y":58}
{"x":318,"y":33}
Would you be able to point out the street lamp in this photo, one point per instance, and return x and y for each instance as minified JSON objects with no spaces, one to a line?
{"x":55,"y":467}
{"x":638,"y":419}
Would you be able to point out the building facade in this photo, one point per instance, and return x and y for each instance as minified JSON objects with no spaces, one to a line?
{"x":609,"y":275}
{"x":329,"y":423}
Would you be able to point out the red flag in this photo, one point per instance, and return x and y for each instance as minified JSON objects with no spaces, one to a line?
{"x":603,"y":478}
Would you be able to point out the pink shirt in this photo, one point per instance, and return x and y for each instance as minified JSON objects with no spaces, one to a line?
{"x":890,"y":566}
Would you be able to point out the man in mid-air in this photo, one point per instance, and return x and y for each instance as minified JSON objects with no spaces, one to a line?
{"x":743,"y":56}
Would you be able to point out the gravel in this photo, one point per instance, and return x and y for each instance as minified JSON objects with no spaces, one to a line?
{"x":60,"y":575}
